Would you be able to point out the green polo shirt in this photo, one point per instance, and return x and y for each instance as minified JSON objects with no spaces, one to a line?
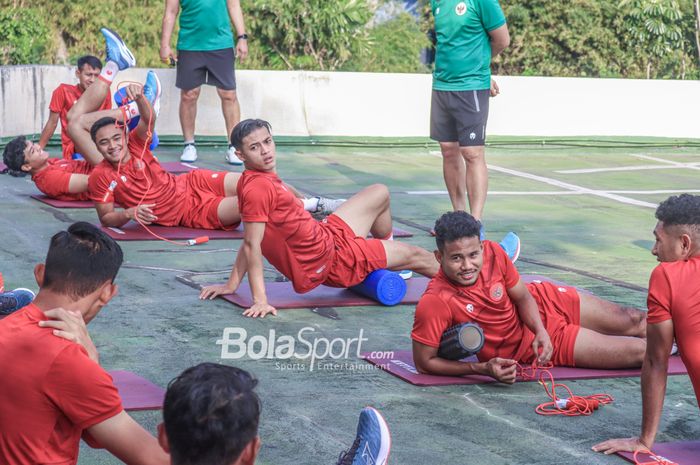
{"x":204,"y":25}
{"x":463,"y":50}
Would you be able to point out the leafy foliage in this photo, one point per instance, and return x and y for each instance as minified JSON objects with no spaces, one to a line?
{"x":24,"y":36}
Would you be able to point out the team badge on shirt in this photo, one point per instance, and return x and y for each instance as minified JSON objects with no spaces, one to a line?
{"x":470,"y":308}
{"x":496,"y":291}
{"x":461,"y":8}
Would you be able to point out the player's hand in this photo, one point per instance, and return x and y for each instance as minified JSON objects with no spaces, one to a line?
{"x":502,"y":369}
{"x":620,"y":445}
{"x":495,"y":90}
{"x":242,"y":49}
{"x":215,"y":290}
{"x":134,"y":91}
{"x":70,"y":325}
{"x":542,"y":347}
{"x":260,"y":310}
{"x":142,"y":213}
{"x":166,"y":55}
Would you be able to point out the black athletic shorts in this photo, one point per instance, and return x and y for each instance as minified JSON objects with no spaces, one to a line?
{"x":459,"y":116}
{"x":213,"y":67}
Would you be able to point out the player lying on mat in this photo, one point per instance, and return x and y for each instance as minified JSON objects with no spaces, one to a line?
{"x":53,"y":390}
{"x":67,"y":179}
{"x":478,"y":283}
{"x":218,"y":393}
{"x":334,"y":252}
{"x":674,"y":311}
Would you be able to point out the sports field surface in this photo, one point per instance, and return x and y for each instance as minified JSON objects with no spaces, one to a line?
{"x":584,"y":210}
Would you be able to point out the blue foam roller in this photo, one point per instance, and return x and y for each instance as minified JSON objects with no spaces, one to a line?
{"x":154,"y":141}
{"x":120,"y":99}
{"x":384,"y":286}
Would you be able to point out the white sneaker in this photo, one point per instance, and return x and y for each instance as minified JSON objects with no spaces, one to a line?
{"x":231,"y":157}
{"x":189,"y":154}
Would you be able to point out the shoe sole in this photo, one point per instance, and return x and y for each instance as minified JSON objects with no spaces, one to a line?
{"x":156,"y":100}
{"x":25,"y":289}
{"x":383,"y":454}
{"x":517,"y":253}
{"x":123,"y":49}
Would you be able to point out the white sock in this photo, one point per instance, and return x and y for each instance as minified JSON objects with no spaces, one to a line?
{"x":109,"y":72}
{"x":310,"y":205}
{"x":189,"y":142}
{"x":131,"y":110}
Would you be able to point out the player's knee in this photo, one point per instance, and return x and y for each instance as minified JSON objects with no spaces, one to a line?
{"x":228,"y":96}
{"x":189,"y":96}
{"x":473,"y":154}
{"x":450,"y":152}
{"x":638,"y":321}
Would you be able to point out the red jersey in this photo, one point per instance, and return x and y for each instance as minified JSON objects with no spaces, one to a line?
{"x":140,"y":181}
{"x":51,"y":392}
{"x":54,"y":179}
{"x":294,"y":242}
{"x":62,"y":100}
{"x":674,"y":293}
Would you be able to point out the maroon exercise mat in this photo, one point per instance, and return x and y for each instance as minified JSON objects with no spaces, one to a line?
{"x":136,"y":392}
{"x":132,"y":231}
{"x":682,"y":453}
{"x":282,"y":296}
{"x":2,"y":166}
{"x":66,"y":203}
{"x":177,"y":167}
{"x":400,"y":364}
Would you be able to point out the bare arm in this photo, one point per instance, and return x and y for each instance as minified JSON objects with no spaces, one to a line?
{"x":172,"y":8}
{"x":500,"y":40}
{"x":49,"y":129}
{"x":252,"y":238}
{"x":236,"y":14}
{"x":427,"y":361}
{"x":110,"y":217}
{"x":530,"y":315}
{"x":147,"y":120}
{"x":128,"y":441}
{"x":654,"y":376}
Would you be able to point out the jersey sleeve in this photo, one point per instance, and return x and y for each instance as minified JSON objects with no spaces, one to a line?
{"x":432,"y":318}
{"x":98,"y":186}
{"x":58,"y":99}
{"x":659,"y":298}
{"x":81,"y":389}
{"x":492,"y":16}
{"x":257,"y":200}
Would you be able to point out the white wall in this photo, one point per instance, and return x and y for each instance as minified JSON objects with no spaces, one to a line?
{"x":392,"y":105}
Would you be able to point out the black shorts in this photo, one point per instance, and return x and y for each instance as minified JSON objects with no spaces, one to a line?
{"x":459,"y":116}
{"x":213,"y":67}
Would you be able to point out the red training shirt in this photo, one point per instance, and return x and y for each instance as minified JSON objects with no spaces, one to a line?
{"x":486,"y":303}
{"x":62,"y":100}
{"x":294,"y":242}
{"x":51,"y":392}
{"x":138,"y":178}
{"x":54,"y":179}
{"x":674,"y":293}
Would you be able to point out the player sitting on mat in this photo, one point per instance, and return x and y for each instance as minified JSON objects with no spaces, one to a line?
{"x":674,"y":311}
{"x":521,"y":323}
{"x":53,"y":390}
{"x":67,"y":179}
{"x":334,"y":252}
{"x":211,"y":414}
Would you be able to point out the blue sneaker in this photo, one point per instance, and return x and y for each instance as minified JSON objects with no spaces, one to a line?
{"x":14,"y":300}
{"x":77,"y":156}
{"x":511,"y":244}
{"x":116,"y":50}
{"x":152,"y":90}
{"x":482,"y":231}
{"x":373,"y":441}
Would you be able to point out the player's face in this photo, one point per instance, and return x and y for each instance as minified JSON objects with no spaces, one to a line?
{"x":461,"y":260}
{"x":258,"y":151}
{"x":87,"y":75}
{"x":110,"y":143}
{"x":669,"y":244}
{"x":34,"y":155}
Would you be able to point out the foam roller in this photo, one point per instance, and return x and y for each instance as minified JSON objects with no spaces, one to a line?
{"x":121,"y":99}
{"x":384,"y":286}
{"x":461,"y":341}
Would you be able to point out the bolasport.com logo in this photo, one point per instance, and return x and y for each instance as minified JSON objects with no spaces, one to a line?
{"x":307,"y":350}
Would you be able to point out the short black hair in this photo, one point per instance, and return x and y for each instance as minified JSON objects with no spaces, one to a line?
{"x":93,"y":61}
{"x":99,"y":124}
{"x":13,"y":156}
{"x":211,"y":413}
{"x":680,"y":210}
{"x":80,"y":260}
{"x":244,"y":128}
{"x":452,"y":226}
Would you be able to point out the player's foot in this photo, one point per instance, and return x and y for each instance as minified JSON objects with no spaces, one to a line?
{"x":372,"y":443}
{"x":511,"y":244}
{"x":14,"y":300}
{"x":231,"y":157}
{"x":189,"y":154}
{"x":77,"y":156}
{"x":327,"y":206}
{"x":152,"y":90}
{"x":405,"y":274}
{"x":116,"y":50}
{"x":482,"y":232}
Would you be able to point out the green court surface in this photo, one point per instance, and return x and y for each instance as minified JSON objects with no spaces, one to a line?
{"x":584,"y":210}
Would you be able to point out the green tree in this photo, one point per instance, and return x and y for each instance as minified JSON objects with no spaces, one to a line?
{"x":24,"y":36}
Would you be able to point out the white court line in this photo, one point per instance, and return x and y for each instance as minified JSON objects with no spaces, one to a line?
{"x":692,"y":166}
{"x":630,"y":168}
{"x":664,"y":191}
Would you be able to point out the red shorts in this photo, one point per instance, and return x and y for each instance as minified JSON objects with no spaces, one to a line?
{"x":560,"y":310}
{"x":204,"y":191}
{"x":355,"y":257}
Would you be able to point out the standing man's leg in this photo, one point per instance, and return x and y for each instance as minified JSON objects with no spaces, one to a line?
{"x":477,"y":178}
{"x":230,"y":108}
{"x":188,"y":116}
{"x":454,"y":170}
{"x":191,"y":74}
